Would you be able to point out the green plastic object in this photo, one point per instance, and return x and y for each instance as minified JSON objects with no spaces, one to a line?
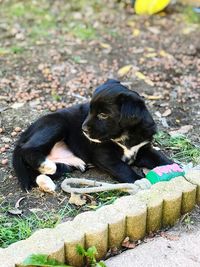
{"x":164,"y":173}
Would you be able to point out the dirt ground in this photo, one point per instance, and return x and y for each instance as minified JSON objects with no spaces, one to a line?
{"x":80,"y":47}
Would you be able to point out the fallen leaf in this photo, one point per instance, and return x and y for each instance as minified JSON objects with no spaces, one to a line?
{"x":150,"y":55}
{"x":162,"y":53}
{"x":169,"y":236}
{"x":152,"y":97}
{"x":124,"y":70}
{"x":130,"y":23}
{"x":77,"y":199}
{"x":167,"y":112}
{"x":141,"y":76}
{"x":105,"y":45}
{"x":18,"y":202}
{"x":128,"y":244}
{"x":15,"y":211}
{"x":136,"y":32}
{"x":150,"y":49}
{"x":183,"y":130}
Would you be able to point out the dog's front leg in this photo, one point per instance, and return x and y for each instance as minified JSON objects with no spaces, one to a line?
{"x":113,"y":165}
{"x":150,"y":158}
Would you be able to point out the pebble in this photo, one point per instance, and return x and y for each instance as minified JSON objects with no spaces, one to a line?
{"x":17,"y":129}
{"x":4,"y":161}
{"x":2,"y":149}
{"x":13,"y":134}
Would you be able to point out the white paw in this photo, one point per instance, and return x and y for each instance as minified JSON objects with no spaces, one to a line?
{"x":47,"y":167}
{"x":79,"y":164}
{"x":45,"y":183}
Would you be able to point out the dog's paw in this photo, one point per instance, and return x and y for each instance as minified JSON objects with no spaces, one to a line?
{"x":45,"y":183}
{"x":47,"y":167}
{"x":79,"y":164}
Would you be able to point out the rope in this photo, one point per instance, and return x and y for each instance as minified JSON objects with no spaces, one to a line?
{"x":101,"y":186}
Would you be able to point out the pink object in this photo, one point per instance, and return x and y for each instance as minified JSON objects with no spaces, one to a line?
{"x":167,"y":168}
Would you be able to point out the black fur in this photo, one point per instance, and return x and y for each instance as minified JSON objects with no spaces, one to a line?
{"x":114,"y":112}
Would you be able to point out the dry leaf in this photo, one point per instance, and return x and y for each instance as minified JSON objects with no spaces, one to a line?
{"x":169,"y":236}
{"x":167,"y":113}
{"x":150,"y":55}
{"x":105,"y":45}
{"x":128,"y":244}
{"x":124,"y":70}
{"x":162,"y":53}
{"x":141,"y":76}
{"x":183,"y":130}
{"x":150,"y":49}
{"x":15,"y":211}
{"x":18,"y":202}
{"x":77,"y":200}
{"x":152,"y":97}
{"x":130,"y":23}
{"x":136,"y":32}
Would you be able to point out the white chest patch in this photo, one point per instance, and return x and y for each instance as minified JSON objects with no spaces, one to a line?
{"x":131,"y":153}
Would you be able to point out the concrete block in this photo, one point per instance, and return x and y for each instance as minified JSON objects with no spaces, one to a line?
{"x":193,"y":176}
{"x":188,"y":193}
{"x":172,"y":200}
{"x":136,"y":213}
{"x":116,"y":224}
{"x":96,"y":233}
{"x":154,"y":204}
{"x":44,"y":243}
{"x":71,"y":238}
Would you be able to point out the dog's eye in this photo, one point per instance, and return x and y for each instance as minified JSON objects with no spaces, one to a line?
{"x":102,"y":116}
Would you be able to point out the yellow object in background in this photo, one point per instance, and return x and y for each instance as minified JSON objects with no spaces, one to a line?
{"x":149,"y":7}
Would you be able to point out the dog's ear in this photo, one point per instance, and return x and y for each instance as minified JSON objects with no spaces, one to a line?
{"x":111,"y":81}
{"x":131,"y":107}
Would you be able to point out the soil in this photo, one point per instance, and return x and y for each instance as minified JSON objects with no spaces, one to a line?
{"x":63,"y":68}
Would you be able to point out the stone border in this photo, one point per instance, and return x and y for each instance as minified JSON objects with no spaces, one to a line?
{"x":133,"y":216}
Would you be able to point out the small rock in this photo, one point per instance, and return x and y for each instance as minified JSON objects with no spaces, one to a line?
{"x":3,"y":149}
{"x":167,"y":113}
{"x":4,"y":161}
{"x":17,"y":129}
{"x":13,"y":134}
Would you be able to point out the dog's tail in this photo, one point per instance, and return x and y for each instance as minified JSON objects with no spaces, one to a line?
{"x":25,"y":174}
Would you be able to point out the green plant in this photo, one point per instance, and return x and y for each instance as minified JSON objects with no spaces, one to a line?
{"x":21,"y":227}
{"x":180,"y":146}
{"x":83,"y":32}
{"x":191,"y":16}
{"x":42,"y":260}
{"x":90,"y":255}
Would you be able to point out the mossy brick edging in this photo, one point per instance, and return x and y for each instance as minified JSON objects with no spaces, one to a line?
{"x":133,"y":216}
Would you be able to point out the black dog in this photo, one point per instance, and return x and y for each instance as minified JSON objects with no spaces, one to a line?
{"x":112,"y":132}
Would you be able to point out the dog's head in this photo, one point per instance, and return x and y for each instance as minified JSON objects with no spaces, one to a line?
{"x":114,"y":110}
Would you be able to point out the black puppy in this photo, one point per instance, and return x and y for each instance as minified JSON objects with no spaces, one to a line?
{"x":113,"y":132}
